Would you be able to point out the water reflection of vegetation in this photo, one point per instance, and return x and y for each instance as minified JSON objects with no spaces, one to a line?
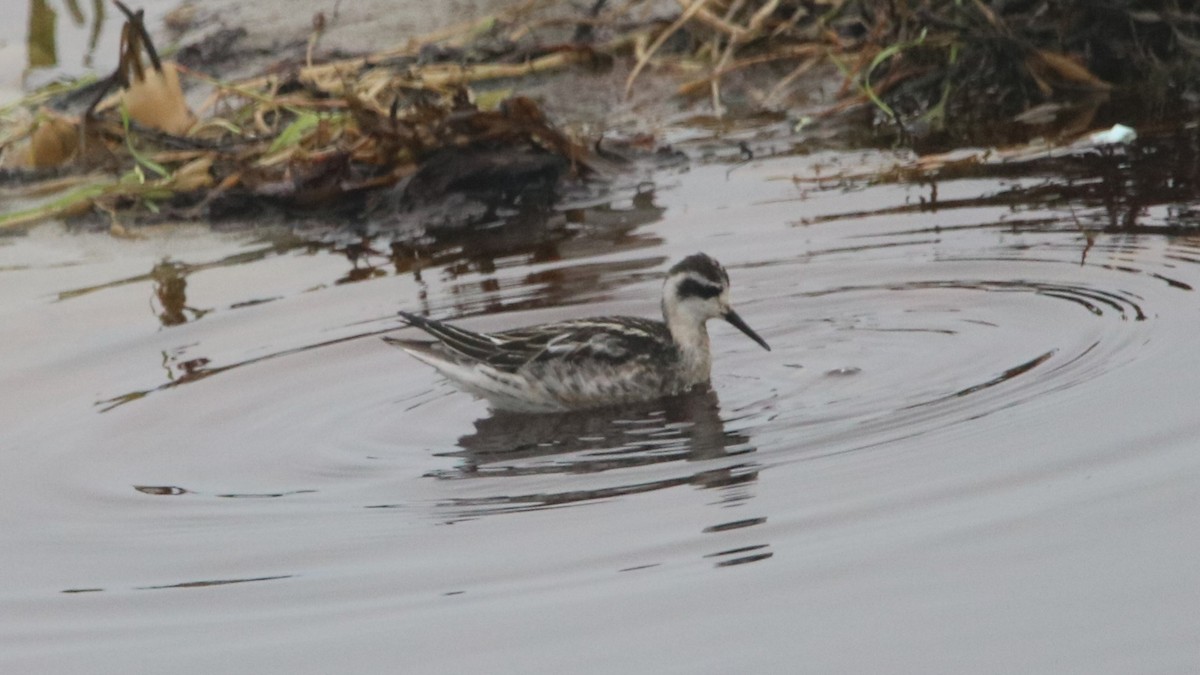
{"x":42,"y":38}
{"x":521,"y":240}
{"x":277,"y":242}
{"x":525,"y":238}
{"x":1106,"y":189}
{"x":197,"y":369}
{"x":176,"y":491}
{"x":170,"y":288}
{"x":189,"y":584}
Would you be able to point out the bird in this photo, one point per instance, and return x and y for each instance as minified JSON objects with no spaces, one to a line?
{"x":588,"y":363}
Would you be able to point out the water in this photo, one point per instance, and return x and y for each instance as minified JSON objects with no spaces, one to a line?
{"x":972,"y":448}
{"x":43,"y":41}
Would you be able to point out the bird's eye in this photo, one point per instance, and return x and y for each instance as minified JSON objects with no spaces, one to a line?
{"x":690,"y":288}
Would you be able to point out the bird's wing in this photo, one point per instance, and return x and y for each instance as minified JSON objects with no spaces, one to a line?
{"x":611,"y":340}
{"x":477,"y":346}
{"x":504,"y":351}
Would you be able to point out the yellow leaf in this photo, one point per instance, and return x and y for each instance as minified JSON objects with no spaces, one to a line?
{"x":193,"y":175}
{"x":52,"y":143}
{"x":157,"y":101}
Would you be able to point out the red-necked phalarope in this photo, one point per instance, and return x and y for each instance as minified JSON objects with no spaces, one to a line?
{"x":586,"y":363}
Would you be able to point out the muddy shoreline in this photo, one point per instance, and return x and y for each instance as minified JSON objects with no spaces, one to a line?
{"x":327,"y":111}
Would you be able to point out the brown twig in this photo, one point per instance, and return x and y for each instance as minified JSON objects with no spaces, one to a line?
{"x":662,"y":38}
{"x":810,"y":51}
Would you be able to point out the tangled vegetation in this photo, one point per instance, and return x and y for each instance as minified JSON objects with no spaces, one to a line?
{"x":955,"y":67}
{"x":402,"y":127}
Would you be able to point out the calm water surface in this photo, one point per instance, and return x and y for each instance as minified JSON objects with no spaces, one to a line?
{"x":974,"y":447}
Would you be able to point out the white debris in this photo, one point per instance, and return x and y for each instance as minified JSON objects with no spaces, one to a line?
{"x":1119,"y":134}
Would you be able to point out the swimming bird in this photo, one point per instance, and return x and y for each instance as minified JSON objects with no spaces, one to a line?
{"x":588,"y":363}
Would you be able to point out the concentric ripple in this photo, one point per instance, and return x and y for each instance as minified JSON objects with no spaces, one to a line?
{"x":903,"y":359}
{"x":974,"y":437}
{"x":945,"y":333}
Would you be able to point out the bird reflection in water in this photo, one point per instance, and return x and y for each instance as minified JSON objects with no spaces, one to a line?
{"x":684,"y":428}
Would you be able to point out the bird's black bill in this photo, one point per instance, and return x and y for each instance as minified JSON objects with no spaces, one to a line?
{"x":733,"y":318}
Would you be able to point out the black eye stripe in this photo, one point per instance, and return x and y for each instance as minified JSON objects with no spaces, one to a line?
{"x":690,"y":288}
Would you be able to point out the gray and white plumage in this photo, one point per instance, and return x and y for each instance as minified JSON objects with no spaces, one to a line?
{"x":587,"y":363}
